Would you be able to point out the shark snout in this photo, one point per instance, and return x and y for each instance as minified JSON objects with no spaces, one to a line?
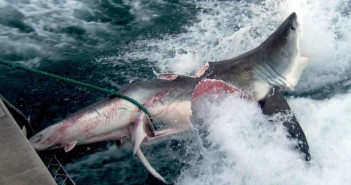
{"x":293,"y":20}
{"x":293,"y":16}
{"x":44,"y":139}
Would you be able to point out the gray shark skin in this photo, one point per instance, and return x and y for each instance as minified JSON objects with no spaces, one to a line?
{"x":276,"y":62}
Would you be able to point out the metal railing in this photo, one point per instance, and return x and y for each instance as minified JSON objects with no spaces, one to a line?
{"x":54,"y":166}
{"x":58,"y":172}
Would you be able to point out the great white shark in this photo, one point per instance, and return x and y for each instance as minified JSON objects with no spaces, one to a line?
{"x":276,"y":63}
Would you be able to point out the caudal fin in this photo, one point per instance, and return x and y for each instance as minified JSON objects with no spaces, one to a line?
{"x":148,"y":166}
{"x":141,"y":129}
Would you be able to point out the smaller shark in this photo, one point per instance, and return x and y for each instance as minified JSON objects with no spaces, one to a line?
{"x":275,"y":63}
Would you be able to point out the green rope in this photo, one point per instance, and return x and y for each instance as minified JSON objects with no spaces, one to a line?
{"x":76,"y":82}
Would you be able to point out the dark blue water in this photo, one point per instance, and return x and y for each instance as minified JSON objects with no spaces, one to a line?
{"x":114,"y":42}
{"x":70,"y":49}
{"x":69,"y":44}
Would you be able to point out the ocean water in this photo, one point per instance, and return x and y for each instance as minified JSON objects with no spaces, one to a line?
{"x":111,"y":43}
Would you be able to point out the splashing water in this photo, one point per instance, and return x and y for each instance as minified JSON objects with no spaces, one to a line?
{"x":242,"y":151}
{"x":244,"y":147}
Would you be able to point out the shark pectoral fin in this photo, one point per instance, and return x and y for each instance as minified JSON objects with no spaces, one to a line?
{"x":141,"y":129}
{"x":70,"y":146}
{"x":210,"y":86}
{"x":148,"y":166}
{"x":276,"y":103}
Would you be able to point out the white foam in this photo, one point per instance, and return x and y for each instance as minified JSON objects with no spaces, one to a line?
{"x":140,"y":11}
{"x":247,"y":149}
{"x":226,"y":29}
{"x":223,"y":30}
{"x":328,"y":129}
{"x":2,"y":3}
{"x":48,"y":20}
{"x":244,"y":145}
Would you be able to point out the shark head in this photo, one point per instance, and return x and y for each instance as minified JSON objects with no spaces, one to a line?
{"x":282,"y":64}
{"x":45,"y":139}
{"x":276,"y":62}
{"x":285,"y":37}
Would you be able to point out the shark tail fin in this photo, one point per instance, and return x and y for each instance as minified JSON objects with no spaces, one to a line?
{"x":141,"y":129}
{"x":148,"y":166}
